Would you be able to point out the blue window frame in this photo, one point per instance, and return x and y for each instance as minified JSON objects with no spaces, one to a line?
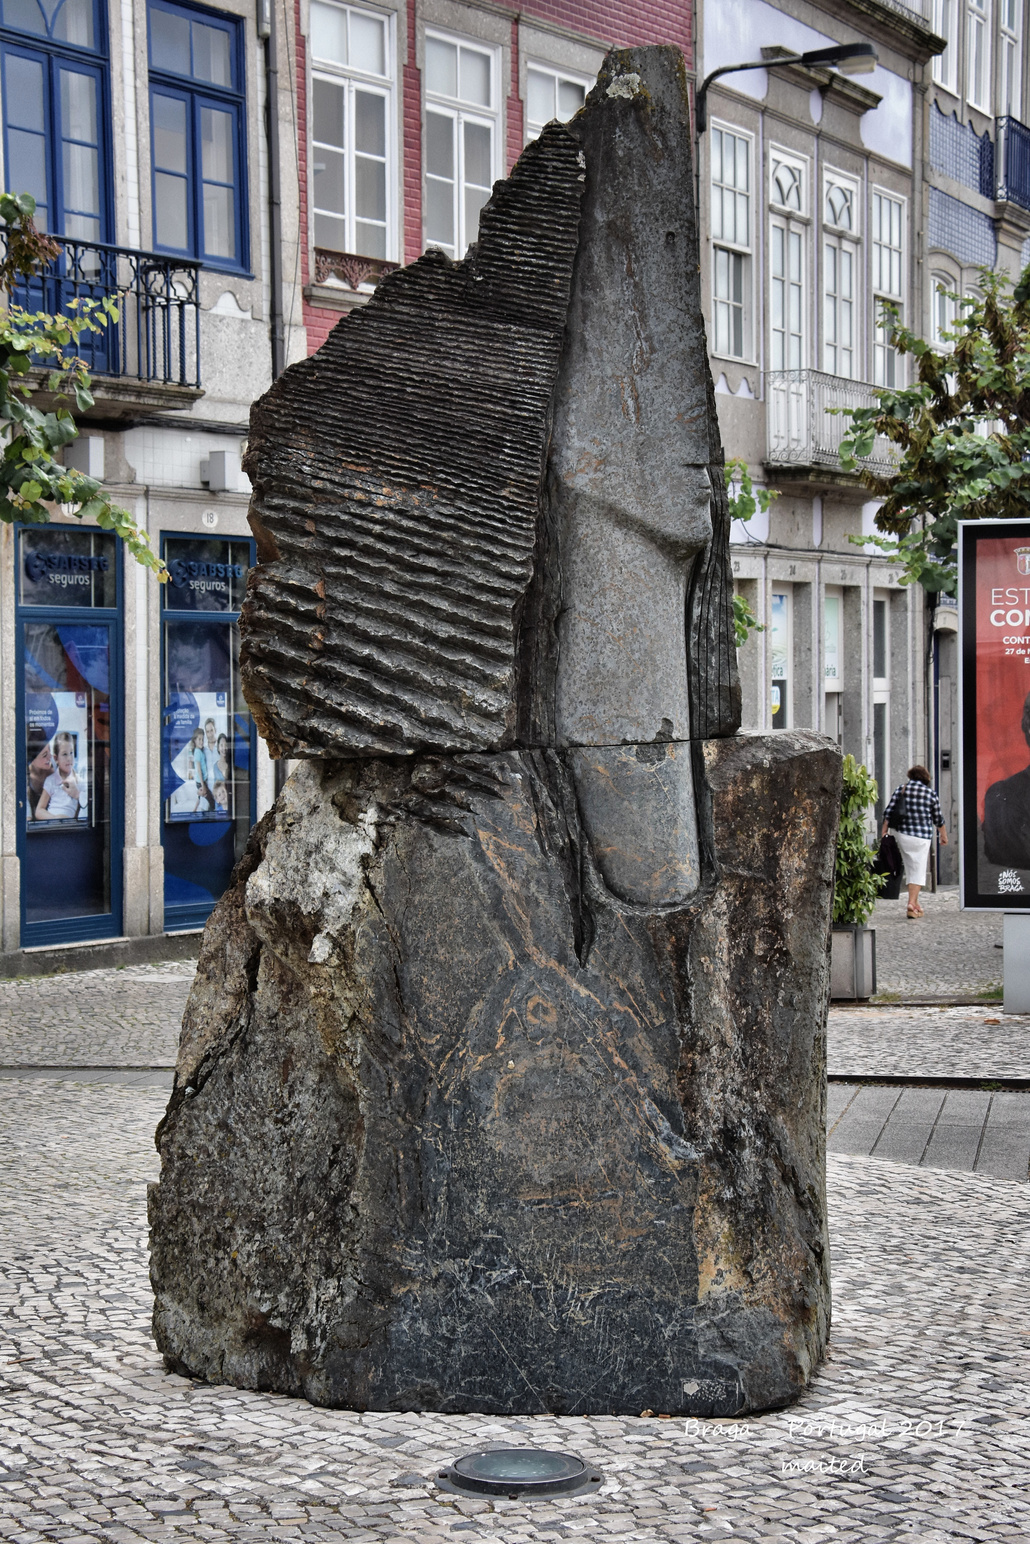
{"x":69,"y":707}
{"x":56,"y":113}
{"x":198,"y":160}
{"x":208,"y":739}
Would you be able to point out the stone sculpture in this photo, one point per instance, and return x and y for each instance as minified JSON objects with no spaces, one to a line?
{"x":500,"y":1085}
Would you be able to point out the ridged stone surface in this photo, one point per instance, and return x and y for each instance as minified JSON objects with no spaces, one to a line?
{"x":396,"y":480}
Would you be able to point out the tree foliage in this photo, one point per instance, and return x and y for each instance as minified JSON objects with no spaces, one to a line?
{"x":743,"y":499}
{"x":855,"y":885}
{"x":32,"y":480}
{"x":961,"y":432}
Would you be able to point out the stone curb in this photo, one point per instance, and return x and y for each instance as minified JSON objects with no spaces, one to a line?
{"x":154,"y":949}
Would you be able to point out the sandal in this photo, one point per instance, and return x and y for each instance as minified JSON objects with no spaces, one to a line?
{"x":913,"y":915}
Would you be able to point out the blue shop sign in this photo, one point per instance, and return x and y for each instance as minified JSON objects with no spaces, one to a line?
{"x":65,"y":566}
{"x":205,"y":575}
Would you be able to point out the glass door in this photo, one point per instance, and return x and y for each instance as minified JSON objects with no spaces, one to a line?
{"x":207,"y":735}
{"x":69,"y":750}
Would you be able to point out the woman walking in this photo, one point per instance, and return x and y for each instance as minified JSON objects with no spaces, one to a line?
{"x":914,"y":813}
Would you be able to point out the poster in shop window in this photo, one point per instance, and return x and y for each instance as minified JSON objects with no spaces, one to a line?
{"x":56,"y":760}
{"x":994,"y":621}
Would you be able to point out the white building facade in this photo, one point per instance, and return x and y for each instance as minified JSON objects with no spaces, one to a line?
{"x":811,"y":185}
{"x":130,"y":768}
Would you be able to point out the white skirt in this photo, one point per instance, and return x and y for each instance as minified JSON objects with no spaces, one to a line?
{"x":915,"y":850}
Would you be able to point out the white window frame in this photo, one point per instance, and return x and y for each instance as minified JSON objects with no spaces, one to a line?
{"x":1010,"y":60}
{"x":352,"y":79}
{"x":558,"y":73}
{"x":945,"y":65}
{"x":844,"y":240}
{"x":789,"y":221}
{"x":461,"y":113}
{"x":889,"y":284}
{"x":978,"y":54}
{"x":944,"y":312}
{"x":730,"y":254}
{"x":800,"y":168}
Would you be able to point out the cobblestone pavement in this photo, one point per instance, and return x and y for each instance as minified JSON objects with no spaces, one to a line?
{"x":977,"y":1130}
{"x":928,"y":1368}
{"x":97,"y":1018}
{"x":900,"y":1042}
{"x":948,"y":953}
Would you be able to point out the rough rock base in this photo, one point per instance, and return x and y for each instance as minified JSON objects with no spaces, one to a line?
{"x":455,"y":1129}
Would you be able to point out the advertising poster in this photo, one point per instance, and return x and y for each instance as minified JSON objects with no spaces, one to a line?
{"x":994,"y":618}
{"x":57,"y":760}
{"x":198,"y":757}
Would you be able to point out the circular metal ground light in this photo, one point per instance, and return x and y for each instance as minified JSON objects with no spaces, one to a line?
{"x":519,"y":1473}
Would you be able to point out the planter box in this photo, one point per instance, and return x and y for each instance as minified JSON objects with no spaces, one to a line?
{"x":852,"y":961}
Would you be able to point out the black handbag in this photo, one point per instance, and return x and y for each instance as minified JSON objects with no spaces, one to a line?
{"x":889,"y":862}
{"x":898,"y":814}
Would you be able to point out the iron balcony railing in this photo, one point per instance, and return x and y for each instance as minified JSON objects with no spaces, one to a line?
{"x":801,"y":431}
{"x":156,"y":339}
{"x":1012,"y":160}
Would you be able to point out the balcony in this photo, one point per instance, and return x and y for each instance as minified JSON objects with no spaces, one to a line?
{"x":1012,"y":159}
{"x":804,"y":436}
{"x":150,"y":357}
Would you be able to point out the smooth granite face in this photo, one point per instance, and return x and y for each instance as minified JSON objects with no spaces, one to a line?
{"x":501,"y":1082}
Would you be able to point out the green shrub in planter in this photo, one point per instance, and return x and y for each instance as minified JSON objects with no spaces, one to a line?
{"x":855,"y":886}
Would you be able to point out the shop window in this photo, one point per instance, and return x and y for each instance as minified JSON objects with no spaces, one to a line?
{"x":552,"y":94}
{"x":55,"y":113}
{"x":462,"y":134}
{"x":197,"y":145}
{"x":353,"y":160}
{"x":881,"y":702}
{"x":779,"y":658}
{"x":69,"y":745}
{"x":207,"y":735}
{"x":833,"y":662}
{"x":731,"y":242}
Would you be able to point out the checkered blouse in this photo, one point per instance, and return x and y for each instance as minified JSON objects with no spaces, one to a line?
{"x":922,"y":812}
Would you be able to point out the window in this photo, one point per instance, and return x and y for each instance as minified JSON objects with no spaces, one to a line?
{"x":945,"y":308}
{"x":881,"y":702}
{"x":56,"y":112}
{"x":945,"y":65}
{"x":551,"y":93}
{"x":840,"y":266}
{"x":978,"y":54}
{"x":787,"y":265}
{"x":1010,"y":43}
{"x":208,"y":741}
{"x":196,"y":127}
{"x":352,"y":159}
{"x":461,"y":139}
{"x":731,"y":243}
{"x":887,"y":248}
{"x":779,"y":657}
{"x":833,"y":661}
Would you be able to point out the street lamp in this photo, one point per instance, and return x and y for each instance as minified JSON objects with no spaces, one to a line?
{"x":849,"y":58}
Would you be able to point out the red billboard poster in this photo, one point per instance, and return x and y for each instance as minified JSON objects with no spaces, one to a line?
{"x":994,"y":619}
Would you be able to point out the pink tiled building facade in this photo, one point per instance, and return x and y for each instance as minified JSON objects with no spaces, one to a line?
{"x":414,"y":110}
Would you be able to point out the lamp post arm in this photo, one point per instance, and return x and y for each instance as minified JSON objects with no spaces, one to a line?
{"x":701,"y":105}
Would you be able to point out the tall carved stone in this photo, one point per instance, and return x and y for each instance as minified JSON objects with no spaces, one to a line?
{"x":501,"y":1082}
